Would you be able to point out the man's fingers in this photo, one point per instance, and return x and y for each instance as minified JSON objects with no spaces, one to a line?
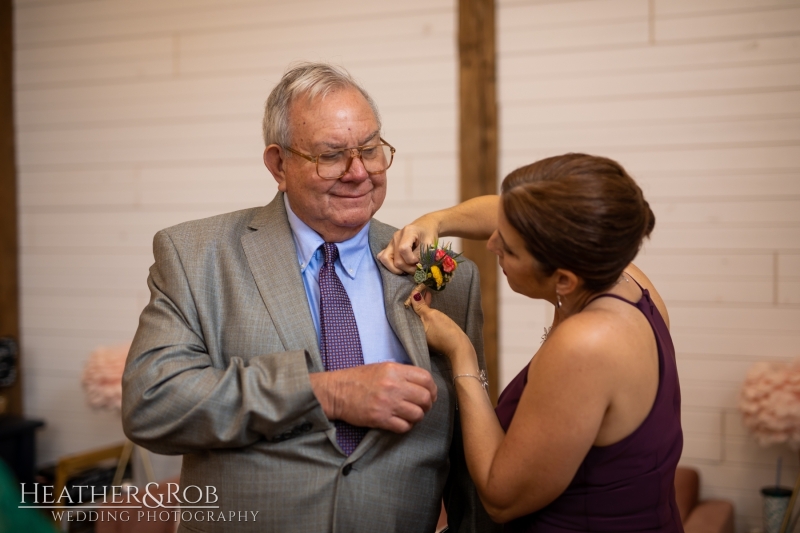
{"x":397,"y":424}
{"x":418,"y":388}
{"x":422,"y":378}
{"x":373,"y":395}
{"x":405,"y":416}
{"x":421,"y":397}
{"x":410,"y":412}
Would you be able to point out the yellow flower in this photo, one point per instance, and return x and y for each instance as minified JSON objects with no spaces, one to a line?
{"x":437,"y":275}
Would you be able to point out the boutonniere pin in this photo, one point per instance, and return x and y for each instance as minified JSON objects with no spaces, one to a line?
{"x":437,"y":266}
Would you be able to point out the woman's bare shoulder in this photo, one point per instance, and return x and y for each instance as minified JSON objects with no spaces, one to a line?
{"x":639,"y":275}
{"x":588,"y":340}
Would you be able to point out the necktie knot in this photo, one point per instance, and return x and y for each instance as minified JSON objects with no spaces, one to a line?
{"x":331,"y":252}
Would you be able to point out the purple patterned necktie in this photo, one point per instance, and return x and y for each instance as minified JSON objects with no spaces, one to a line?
{"x":340,"y":345}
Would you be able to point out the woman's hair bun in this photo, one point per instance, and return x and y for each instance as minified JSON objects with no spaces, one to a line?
{"x":579,"y":212}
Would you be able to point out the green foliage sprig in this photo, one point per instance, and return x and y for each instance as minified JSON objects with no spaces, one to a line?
{"x":437,"y":265}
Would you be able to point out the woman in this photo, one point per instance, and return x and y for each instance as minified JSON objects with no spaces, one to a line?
{"x":587,"y":437}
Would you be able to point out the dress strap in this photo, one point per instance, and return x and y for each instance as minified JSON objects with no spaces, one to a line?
{"x":634,"y":280}
{"x":645,"y":294}
{"x":615,"y":296}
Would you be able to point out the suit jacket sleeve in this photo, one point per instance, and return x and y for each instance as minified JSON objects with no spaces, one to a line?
{"x":178,"y":398}
{"x":465,"y":512}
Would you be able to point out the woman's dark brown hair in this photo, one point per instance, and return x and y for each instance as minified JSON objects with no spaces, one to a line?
{"x":578,"y":212}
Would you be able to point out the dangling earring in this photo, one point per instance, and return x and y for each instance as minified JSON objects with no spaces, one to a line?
{"x":558,"y":299}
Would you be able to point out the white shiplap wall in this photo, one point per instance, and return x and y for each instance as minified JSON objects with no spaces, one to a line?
{"x":133,"y":116}
{"x":700,"y":101}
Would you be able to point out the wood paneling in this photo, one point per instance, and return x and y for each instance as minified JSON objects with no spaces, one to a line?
{"x":11,"y":397}
{"x":478,"y":150}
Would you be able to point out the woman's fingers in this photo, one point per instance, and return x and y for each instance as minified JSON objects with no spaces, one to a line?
{"x":402,"y":253}
{"x":442,"y":334}
{"x":407,"y":251}
{"x":386,"y":257}
{"x":421,"y":301}
{"x":434,"y":322}
{"x":399,"y":256}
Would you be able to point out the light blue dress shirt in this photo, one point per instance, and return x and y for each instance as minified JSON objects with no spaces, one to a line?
{"x":361,"y":278}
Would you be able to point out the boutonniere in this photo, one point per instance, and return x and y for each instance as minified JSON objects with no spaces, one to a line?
{"x":437,"y":266}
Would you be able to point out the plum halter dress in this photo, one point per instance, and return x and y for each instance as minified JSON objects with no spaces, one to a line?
{"x":627,"y":486}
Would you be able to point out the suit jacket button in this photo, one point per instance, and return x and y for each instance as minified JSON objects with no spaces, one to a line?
{"x":347,"y":468}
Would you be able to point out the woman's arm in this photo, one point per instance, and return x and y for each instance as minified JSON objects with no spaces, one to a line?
{"x":569,"y":389}
{"x":556,"y":423}
{"x":472,"y":219}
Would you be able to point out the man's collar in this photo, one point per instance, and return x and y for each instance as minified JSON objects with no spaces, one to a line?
{"x":308,"y":241}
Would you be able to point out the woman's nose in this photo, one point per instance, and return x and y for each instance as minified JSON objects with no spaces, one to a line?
{"x":492,"y":246}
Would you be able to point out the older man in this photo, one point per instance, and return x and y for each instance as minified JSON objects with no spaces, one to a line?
{"x":277,"y":356}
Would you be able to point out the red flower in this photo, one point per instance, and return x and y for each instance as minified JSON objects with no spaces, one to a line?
{"x":448,"y":265}
{"x":439,"y":254}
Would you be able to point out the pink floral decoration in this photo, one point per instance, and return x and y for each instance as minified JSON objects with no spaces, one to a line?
{"x":770,"y":403}
{"x":102,"y":376}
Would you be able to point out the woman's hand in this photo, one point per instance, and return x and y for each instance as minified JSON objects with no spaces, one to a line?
{"x":473,"y":219}
{"x":444,"y":335}
{"x":402,"y":253}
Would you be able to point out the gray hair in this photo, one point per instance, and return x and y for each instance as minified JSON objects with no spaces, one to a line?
{"x":311,"y":80}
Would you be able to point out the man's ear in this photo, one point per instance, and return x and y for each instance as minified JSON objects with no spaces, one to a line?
{"x":275,"y":162}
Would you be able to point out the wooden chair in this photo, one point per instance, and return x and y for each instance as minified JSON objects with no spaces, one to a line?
{"x":71,"y":465}
{"x":74,"y":464}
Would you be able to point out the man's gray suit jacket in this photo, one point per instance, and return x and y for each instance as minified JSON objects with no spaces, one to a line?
{"x":219,"y":372}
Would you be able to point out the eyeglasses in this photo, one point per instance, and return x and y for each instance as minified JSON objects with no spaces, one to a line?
{"x":376,"y":158}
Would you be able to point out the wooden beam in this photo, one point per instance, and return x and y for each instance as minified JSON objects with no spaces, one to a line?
{"x":10,"y":397}
{"x":478,"y":149}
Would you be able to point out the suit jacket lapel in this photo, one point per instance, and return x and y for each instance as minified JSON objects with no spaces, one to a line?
{"x":404,"y":321}
{"x":272,"y":258}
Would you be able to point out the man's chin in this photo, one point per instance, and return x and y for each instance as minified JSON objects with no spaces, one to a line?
{"x":351,"y":222}
{"x":355,"y":209}
{"x":354,"y":217}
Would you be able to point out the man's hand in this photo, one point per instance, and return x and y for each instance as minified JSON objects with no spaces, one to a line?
{"x":383,"y":395}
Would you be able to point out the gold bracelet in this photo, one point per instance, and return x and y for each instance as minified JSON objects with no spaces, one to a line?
{"x":481,"y":377}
